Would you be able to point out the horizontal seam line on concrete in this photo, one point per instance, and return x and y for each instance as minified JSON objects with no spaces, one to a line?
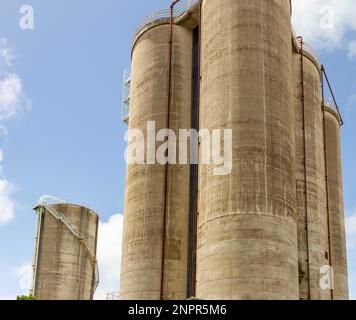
{"x":217,"y":254}
{"x":251,"y":278}
{"x":243,"y":214}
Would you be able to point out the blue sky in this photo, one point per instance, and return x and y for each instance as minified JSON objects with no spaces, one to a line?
{"x":66,"y":137}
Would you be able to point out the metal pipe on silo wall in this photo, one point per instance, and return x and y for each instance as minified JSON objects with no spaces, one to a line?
{"x":306,"y":209}
{"x":36,"y":251}
{"x":166,"y":175}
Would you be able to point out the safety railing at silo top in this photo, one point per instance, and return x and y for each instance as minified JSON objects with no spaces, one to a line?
{"x":307,"y":49}
{"x":113,"y":295}
{"x":126,"y":96}
{"x":179,"y":10}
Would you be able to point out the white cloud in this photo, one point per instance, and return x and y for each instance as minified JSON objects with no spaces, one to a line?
{"x":11,"y":96}
{"x":7,"y":205}
{"x":352,"y":284}
{"x":15,"y":281}
{"x":21,"y":280}
{"x":12,"y":100}
{"x":351,"y":231}
{"x":350,"y":224}
{"x":324,"y":23}
{"x":24,"y":276}
{"x":351,"y":103}
{"x":6,"y":53}
{"x":109,"y":255}
{"x":352,"y":50}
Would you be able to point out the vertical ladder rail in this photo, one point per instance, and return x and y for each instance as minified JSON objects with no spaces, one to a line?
{"x":306,"y":209}
{"x":35,"y":256}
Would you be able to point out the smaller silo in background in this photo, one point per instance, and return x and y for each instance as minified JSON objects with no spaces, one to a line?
{"x":310,"y":173}
{"x":338,"y":254}
{"x":65,"y":266}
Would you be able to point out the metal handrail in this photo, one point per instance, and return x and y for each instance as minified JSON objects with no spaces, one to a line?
{"x":60,"y":217}
{"x":113,"y":295}
{"x":125,"y":106}
{"x":158,"y":15}
{"x":184,"y":7}
{"x":331,"y":105}
{"x":306,"y":47}
{"x":178,"y":11}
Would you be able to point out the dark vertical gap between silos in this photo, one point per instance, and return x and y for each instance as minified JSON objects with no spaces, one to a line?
{"x":193,"y":174}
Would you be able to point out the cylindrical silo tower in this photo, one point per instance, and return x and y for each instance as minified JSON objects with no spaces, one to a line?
{"x":310,"y":173}
{"x":154,"y":257}
{"x":65,"y":266}
{"x":336,"y":203}
{"x":247,"y":229}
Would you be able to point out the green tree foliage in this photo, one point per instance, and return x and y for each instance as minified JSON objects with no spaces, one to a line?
{"x":23,"y":297}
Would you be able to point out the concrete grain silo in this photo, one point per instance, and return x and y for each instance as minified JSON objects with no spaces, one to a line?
{"x":247,"y":247}
{"x":310,"y":173}
{"x":65,"y":266}
{"x":154,"y":257}
{"x":267,"y":229}
{"x":338,"y":253}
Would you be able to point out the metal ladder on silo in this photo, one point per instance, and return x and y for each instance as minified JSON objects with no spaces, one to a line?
{"x":60,"y":217}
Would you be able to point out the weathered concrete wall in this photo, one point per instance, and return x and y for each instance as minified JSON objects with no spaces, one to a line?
{"x":314,"y":220}
{"x":336,"y":202}
{"x":64,"y":271}
{"x":247,"y":247}
{"x":145,"y":184}
{"x":253,"y":229}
